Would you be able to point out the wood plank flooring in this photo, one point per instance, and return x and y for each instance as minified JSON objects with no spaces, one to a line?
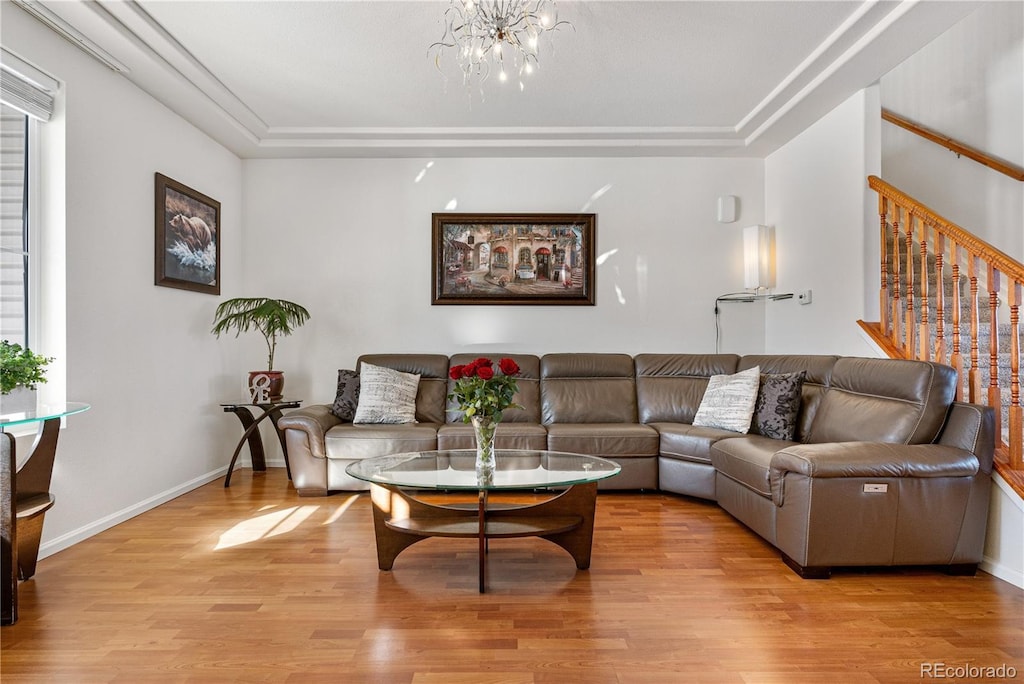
{"x":255,"y":584}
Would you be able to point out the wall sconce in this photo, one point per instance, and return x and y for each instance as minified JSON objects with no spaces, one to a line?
{"x":759,"y":258}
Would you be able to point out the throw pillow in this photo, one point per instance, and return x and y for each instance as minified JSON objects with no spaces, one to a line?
{"x":778,"y":403}
{"x":728,"y":402}
{"x":347,"y":398}
{"x":386,"y":395}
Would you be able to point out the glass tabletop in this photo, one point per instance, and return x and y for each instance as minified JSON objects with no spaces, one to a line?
{"x":283,"y":403}
{"x":515,"y":469}
{"x":42,"y":412}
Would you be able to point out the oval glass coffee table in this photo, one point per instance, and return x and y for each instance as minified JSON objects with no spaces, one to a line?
{"x":400,"y":520}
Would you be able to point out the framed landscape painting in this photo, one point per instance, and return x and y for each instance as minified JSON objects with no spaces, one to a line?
{"x":513,"y":259}
{"x":187,"y":238}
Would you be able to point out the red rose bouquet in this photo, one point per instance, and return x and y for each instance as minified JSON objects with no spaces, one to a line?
{"x":483,"y":391}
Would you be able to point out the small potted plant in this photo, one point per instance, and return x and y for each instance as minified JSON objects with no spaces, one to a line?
{"x":271,"y":317}
{"x":20,"y":369}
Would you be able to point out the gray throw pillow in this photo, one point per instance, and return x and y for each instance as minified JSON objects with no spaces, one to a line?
{"x":347,"y":399}
{"x":778,"y":403}
{"x":728,"y":401}
{"x":386,"y":395}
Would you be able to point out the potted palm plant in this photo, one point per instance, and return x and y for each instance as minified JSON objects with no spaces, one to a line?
{"x":21,"y":370}
{"x":270,"y":317}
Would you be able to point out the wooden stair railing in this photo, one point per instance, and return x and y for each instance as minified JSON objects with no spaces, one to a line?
{"x":923,"y":260}
{"x":960,"y":149}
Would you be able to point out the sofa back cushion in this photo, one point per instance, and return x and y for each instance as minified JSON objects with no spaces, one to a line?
{"x":884,"y":400}
{"x":587,"y":388}
{"x":433,"y":387}
{"x":669,"y":387}
{"x":819,"y":375}
{"x":528,"y":382}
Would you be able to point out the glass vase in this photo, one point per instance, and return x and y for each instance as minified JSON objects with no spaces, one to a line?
{"x":484,"y":428}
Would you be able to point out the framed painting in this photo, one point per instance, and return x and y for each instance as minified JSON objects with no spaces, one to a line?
{"x":187,"y":238}
{"x":513,"y":259}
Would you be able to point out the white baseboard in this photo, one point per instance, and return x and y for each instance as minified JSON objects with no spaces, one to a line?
{"x":1012,"y":575}
{"x":82,"y":533}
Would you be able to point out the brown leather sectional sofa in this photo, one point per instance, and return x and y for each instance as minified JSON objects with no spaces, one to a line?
{"x":885,"y":468}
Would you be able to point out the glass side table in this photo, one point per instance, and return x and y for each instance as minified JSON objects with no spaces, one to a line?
{"x":25,"y":496}
{"x":251,"y":419}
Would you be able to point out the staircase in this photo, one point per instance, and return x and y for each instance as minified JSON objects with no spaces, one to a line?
{"x":948,"y":296}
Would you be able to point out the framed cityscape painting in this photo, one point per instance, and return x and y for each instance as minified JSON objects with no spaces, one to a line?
{"x":513,"y":259}
{"x":187,"y":238}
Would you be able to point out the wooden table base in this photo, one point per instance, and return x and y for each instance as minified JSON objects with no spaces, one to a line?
{"x":400,"y":520}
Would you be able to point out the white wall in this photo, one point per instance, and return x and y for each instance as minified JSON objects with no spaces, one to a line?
{"x":817,"y":198}
{"x":967,"y":84}
{"x":141,"y":355}
{"x":350,"y":240}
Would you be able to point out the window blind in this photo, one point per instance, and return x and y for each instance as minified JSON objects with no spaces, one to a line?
{"x":13,"y":236}
{"x":25,"y":88}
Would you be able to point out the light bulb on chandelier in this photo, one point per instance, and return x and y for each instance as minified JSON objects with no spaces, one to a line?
{"x":496,"y":31}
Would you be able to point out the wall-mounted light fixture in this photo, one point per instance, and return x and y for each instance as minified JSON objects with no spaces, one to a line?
{"x":758,"y":258}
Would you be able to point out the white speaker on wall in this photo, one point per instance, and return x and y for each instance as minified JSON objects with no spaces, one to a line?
{"x":727,"y":208}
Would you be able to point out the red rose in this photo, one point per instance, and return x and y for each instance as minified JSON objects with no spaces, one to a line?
{"x":469,"y":370}
{"x":456,"y":372}
{"x":483,"y":362}
{"x":485,"y":372}
{"x":508,"y":367}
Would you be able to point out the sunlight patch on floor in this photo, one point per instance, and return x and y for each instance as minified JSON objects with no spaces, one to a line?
{"x":263,"y":526}
{"x":340,"y":511}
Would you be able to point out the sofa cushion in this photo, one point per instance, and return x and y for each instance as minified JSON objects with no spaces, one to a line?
{"x":587,"y":388}
{"x":747,"y":460}
{"x":509,"y":435}
{"x":884,"y":400}
{"x":778,"y":404}
{"x":669,"y":387}
{"x":353,"y":442}
{"x":728,"y":402}
{"x":386,"y":395}
{"x":688,"y":442}
{"x":347,"y":398}
{"x":604,"y":439}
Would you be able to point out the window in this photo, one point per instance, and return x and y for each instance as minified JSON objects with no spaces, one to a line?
{"x":14,"y":261}
{"x":26,"y":100}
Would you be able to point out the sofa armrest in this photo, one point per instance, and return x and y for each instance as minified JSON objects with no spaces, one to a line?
{"x":972,"y":427}
{"x":315,"y":421}
{"x":869,"y":460}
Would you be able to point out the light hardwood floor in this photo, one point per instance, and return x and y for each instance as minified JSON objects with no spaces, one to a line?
{"x":256,"y":584}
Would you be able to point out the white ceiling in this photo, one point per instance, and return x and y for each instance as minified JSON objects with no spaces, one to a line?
{"x":354,"y":78}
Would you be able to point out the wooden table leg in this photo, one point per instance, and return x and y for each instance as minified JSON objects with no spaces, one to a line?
{"x":8,"y":532}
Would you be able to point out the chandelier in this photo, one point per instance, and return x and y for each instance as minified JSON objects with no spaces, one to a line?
{"x":499,"y":34}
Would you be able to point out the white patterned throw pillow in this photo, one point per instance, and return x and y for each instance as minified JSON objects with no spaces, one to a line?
{"x":728,"y":402}
{"x":386,"y":395}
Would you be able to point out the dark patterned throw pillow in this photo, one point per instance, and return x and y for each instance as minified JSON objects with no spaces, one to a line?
{"x":778,"y":403}
{"x":347,"y":400}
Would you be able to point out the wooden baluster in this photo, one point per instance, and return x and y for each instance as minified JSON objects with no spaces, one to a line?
{"x":924,"y":336}
{"x":973,"y":375}
{"x":940,"y":298}
{"x":896,"y":317}
{"x":911,"y":323}
{"x":883,"y":294}
{"x":956,"y":360}
{"x":1016,"y":412}
{"x":994,"y":396}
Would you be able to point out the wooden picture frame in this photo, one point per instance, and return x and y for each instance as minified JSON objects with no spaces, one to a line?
{"x":513,"y":259}
{"x":187,"y":238}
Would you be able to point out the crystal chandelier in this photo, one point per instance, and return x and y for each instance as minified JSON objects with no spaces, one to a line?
{"x":500,"y":34}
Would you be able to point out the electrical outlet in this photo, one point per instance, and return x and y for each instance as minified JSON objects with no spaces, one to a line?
{"x":804,"y":297}
{"x":876,"y":488}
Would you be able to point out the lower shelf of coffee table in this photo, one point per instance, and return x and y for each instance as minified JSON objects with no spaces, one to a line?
{"x":498,"y":526}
